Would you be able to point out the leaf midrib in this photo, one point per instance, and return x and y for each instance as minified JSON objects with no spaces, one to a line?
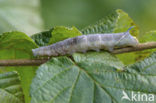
{"x":95,"y":82}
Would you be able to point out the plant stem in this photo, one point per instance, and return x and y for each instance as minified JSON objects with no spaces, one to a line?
{"x":139,"y":47}
{"x":35,"y":62}
{"x":22,"y":62}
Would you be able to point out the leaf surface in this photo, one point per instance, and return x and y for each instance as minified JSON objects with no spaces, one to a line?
{"x":54,"y":35}
{"x":92,"y":78}
{"x":147,"y":37}
{"x":60,"y":33}
{"x":17,"y":45}
{"x":42,"y":38}
{"x":67,"y":81}
{"x":117,"y":22}
{"x":10,"y":88}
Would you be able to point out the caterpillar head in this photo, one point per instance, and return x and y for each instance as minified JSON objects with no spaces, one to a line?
{"x":127,"y":40}
{"x":132,"y":40}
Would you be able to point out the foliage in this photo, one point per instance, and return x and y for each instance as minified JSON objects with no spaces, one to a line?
{"x":54,"y":35}
{"x":118,"y":21}
{"x":147,"y":37}
{"x":42,"y":38}
{"x":91,"y":78}
{"x":60,"y":33}
{"x":10,"y":88}
{"x":56,"y":74}
{"x":17,"y":45}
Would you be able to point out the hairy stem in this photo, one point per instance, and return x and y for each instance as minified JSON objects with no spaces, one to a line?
{"x":35,"y":62}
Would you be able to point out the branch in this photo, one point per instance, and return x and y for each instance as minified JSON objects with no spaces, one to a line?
{"x":35,"y":62}
{"x":139,"y":47}
{"x":23,"y":62}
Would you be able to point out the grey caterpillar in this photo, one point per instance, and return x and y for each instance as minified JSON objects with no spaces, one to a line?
{"x":87,"y":42}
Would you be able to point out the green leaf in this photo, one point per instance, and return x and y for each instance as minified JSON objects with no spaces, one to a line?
{"x":54,"y":35}
{"x":92,"y":78}
{"x":60,"y":33}
{"x":62,"y":80}
{"x":10,"y":88}
{"x":17,"y":45}
{"x":42,"y":38}
{"x":22,"y":15}
{"x":124,"y":22}
{"x":118,"y":21}
{"x":17,"y":40}
{"x":147,"y":37}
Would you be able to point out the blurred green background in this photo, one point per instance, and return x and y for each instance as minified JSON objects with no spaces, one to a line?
{"x":32,"y":16}
{"x":84,"y":12}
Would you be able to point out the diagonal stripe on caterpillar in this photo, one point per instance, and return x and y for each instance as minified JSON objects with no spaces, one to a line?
{"x":87,"y":42}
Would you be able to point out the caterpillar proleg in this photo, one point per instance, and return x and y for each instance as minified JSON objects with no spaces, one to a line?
{"x":83,"y":43}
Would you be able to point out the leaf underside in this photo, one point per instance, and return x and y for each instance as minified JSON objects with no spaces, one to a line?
{"x":117,"y":22}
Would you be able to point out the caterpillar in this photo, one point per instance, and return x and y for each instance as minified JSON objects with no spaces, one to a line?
{"x":83,"y":43}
